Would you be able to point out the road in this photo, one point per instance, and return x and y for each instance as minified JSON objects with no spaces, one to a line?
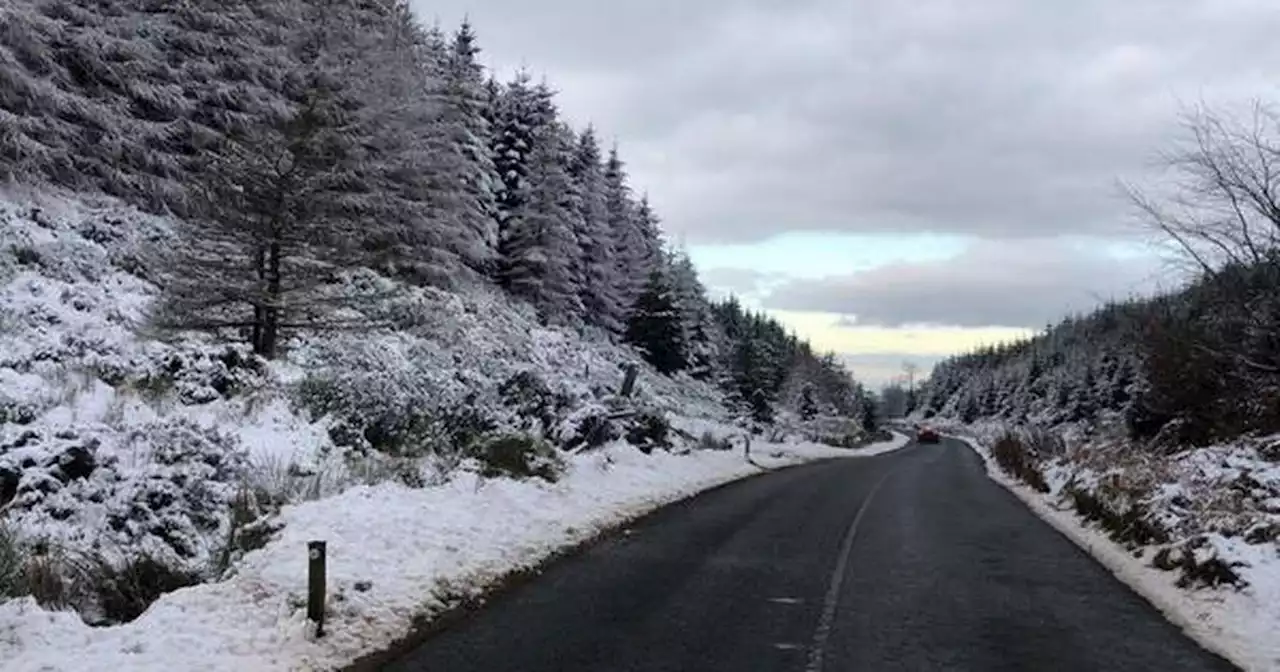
{"x":911,"y":560}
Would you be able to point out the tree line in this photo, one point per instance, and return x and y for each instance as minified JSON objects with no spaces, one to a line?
{"x":301,"y":143}
{"x":1192,"y":367}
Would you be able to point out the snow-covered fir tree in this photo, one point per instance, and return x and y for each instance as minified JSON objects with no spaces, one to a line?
{"x":540,"y":251}
{"x":283,"y":205}
{"x":655,"y":325}
{"x":697,"y":321}
{"x":600,"y":280}
{"x":464,"y":180}
{"x":630,"y":249}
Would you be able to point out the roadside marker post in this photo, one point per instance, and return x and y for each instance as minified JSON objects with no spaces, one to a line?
{"x":316,"y":584}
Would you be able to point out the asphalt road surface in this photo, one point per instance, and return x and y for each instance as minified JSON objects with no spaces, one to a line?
{"x":912,"y":560}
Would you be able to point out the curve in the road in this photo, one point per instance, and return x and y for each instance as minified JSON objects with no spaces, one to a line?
{"x":912,"y":560}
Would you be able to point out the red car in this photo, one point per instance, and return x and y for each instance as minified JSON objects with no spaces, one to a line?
{"x":927,"y":435}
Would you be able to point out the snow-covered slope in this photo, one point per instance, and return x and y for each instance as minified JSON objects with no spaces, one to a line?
{"x":395,"y":553}
{"x":1210,"y":509}
{"x":132,"y":465}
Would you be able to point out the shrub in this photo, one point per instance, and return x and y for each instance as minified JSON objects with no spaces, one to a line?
{"x":592,"y":431}
{"x":122,"y":592}
{"x":368,"y":413}
{"x":709,"y":441}
{"x":1209,"y":573}
{"x":1013,"y":457}
{"x":537,"y":407}
{"x":519,"y":456}
{"x":103,"y":591}
{"x":647,"y":431}
{"x":1129,"y":527}
{"x":13,"y":560}
{"x":849,"y":441}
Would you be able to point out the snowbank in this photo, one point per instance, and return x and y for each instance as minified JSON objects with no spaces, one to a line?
{"x":1241,"y":626}
{"x":395,"y":553}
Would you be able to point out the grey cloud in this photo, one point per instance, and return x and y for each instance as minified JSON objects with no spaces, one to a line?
{"x":993,"y":284}
{"x":740,"y":281}
{"x":1000,"y":118}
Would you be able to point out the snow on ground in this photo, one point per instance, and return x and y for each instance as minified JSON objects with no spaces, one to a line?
{"x":1241,"y":626}
{"x":394,"y":553}
{"x":121,"y":447}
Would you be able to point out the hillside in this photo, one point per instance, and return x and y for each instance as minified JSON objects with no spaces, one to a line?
{"x":278,"y":270}
{"x":1156,"y":420}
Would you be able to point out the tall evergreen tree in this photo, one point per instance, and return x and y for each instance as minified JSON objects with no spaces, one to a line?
{"x":540,"y":250}
{"x":598,"y":271}
{"x":655,"y":328}
{"x":697,"y":322}
{"x":464,"y":180}
{"x":628,"y":247}
{"x":523,"y":110}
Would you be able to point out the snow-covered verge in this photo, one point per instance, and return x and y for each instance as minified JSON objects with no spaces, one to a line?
{"x":395,"y":554}
{"x":1194,"y":533}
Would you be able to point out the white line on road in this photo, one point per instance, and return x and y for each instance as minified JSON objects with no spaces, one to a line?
{"x":832,"y":600}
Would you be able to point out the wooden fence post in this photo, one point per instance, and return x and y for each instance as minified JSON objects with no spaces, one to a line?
{"x":629,"y":383}
{"x":316,"y":584}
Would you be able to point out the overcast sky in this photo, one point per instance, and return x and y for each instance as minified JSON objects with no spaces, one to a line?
{"x":895,"y":179}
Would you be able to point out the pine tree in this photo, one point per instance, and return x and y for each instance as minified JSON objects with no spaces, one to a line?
{"x":597,"y":270}
{"x":463,"y":176}
{"x":808,"y":404}
{"x":540,"y":250}
{"x":654,"y":327}
{"x":696,"y":319}
{"x":628,"y":248}
{"x":522,"y":112}
{"x":284,"y":205}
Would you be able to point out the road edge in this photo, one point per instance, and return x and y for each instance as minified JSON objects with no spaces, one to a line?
{"x":426,"y":626}
{"x":1153,"y":585}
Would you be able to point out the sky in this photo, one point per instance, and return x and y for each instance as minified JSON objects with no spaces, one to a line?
{"x":897,"y":181}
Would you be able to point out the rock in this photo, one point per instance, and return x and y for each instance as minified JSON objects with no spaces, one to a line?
{"x":25,"y":439}
{"x":35,"y":485}
{"x":78,"y":462}
{"x":10,"y":477}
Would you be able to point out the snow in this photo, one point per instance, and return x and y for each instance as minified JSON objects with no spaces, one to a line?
{"x":1240,"y":626}
{"x":414,"y":552}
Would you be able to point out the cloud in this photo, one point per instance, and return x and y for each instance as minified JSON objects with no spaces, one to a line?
{"x":998,"y":118}
{"x":877,"y":370}
{"x":992,"y":284}
{"x":743,"y":282}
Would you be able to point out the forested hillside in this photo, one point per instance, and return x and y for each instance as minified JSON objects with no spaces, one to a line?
{"x":1189,"y":368}
{"x":313,"y":140}
{"x":1158,"y":418}
{"x":261,"y":255}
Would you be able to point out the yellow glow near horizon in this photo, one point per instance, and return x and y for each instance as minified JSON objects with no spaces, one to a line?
{"x":825,"y":333}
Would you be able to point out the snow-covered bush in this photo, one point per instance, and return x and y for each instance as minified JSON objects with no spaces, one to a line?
{"x":519,"y":456}
{"x":106,"y":590}
{"x":1014,"y":457}
{"x":387,"y":395}
{"x":648,"y":431}
{"x":193,"y":374}
{"x":13,"y":561}
{"x":165,"y":486}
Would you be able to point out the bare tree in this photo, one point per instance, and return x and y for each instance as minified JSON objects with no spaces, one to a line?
{"x":1210,"y":352}
{"x":1224,"y":205}
{"x":910,"y":369}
